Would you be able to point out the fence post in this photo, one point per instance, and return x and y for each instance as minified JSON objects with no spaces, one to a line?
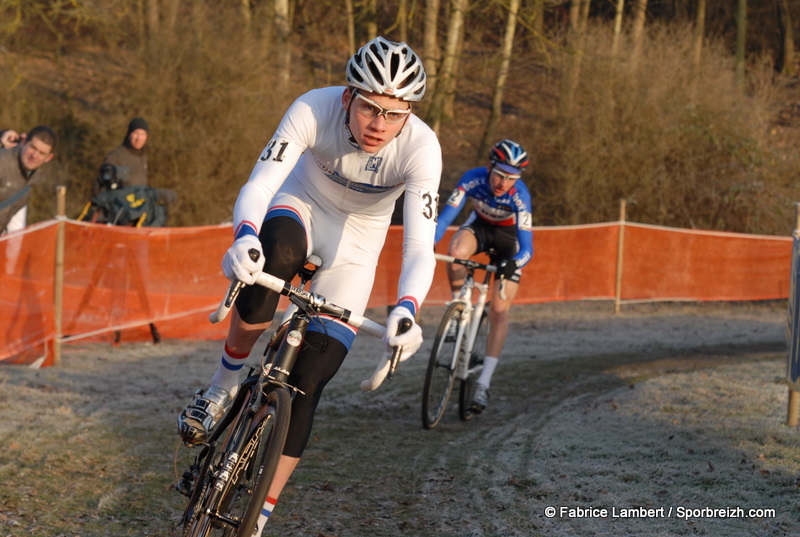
{"x":620,"y":247}
{"x":58,"y":291}
{"x":792,"y":334}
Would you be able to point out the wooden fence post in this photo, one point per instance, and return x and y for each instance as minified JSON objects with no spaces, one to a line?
{"x":620,"y":248}
{"x":58,"y":291}
{"x":794,"y":396}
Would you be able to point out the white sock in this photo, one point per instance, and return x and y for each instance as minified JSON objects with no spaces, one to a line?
{"x":489,"y":363}
{"x":266,"y":511}
{"x":227,"y":375}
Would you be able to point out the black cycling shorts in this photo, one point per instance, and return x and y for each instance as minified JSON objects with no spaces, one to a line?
{"x":501,"y":239}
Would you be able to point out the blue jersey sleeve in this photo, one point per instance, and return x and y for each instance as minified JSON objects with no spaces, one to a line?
{"x":454,"y":203}
{"x":524,"y":217}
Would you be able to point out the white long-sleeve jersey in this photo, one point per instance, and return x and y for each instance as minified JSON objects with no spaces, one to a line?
{"x":313,"y":167}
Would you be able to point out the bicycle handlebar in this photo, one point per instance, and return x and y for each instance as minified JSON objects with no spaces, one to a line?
{"x":388,"y":361}
{"x":472,"y":265}
{"x":469,"y":263}
{"x":317,"y":302}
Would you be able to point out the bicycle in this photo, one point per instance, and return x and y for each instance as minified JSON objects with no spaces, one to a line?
{"x":458,"y":346}
{"x":229,"y":479}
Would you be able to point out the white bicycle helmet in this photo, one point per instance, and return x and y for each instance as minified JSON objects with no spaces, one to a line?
{"x":387,"y":68}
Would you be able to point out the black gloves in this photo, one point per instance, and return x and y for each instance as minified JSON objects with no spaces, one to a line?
{"x":506,"y":268}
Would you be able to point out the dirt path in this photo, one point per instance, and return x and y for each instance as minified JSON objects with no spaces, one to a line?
{"x":664,"y":406}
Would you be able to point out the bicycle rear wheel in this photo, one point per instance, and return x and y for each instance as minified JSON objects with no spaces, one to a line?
{"x":467,"y":387}
{"x":440,"y":376}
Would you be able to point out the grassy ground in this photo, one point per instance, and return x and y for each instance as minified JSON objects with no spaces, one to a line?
{"x":673,"y":407}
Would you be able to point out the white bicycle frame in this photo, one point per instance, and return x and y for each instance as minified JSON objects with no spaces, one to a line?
{"x":468,"y":324}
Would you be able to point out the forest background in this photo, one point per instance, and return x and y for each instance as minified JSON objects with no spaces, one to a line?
{"x":687,"y":109}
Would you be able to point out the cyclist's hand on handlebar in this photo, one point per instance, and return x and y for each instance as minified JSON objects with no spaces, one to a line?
{"x":244,"y":260}
{"x":410,"y":340}
{"x":506,"y":268}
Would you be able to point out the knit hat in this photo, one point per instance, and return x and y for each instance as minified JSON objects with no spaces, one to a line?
{"x":138,"y":123}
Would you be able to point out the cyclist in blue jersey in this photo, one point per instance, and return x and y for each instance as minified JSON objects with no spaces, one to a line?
{"x":501,"y":220}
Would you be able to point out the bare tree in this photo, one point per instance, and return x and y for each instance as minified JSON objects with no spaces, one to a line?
{"x":430,"y":52}
{"x":639,"y":17}
{"x":247,"y":16}
{"x":170,"y":9}
{"x":401,"y":21}
{"x":787,"y":52}
{"x":372,"y":18}
{"x":699,"y":33}
{"x":617,"y":28}
{"x":281,"y":45}
{"x":502,"y":74}
{"x":578,"y":45}
{"x":351,"y":27}
{"x":452,"y":80}
{"x":741,"y":41}
{"x":447,"y":73}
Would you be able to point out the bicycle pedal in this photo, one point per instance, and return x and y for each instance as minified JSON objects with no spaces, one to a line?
{"x":186,"y":485}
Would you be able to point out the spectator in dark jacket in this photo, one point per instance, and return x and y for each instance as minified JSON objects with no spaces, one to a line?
{"x":18,"y":165}
{"x":130,"y":158}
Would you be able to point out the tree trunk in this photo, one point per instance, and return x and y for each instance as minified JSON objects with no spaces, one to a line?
{"x":247,"y":16}
{"x":699,"y":33}
{"x":430,"y":52}
{"x":446,"y":74}
{"x":372,"y":18}
{"x":152,"y":17}
{"x":500,"y":83}
{"x":170,"y":10}
{"x":573,"y":69}
{"x":402,"y":20}
{"x":538,"y":19}
{"x":283,"y":52}
{"x":351,"y":27}
{"x":617,"y":28}
{"x":787,"y":52}
{"x":741,"y":41}
{"x":640,"y":14}
{"x":452,"y":80}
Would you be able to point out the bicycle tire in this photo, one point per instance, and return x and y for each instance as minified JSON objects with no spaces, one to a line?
{"x":440,"y":375}
{"x":199,"y":519}
{"x":241,"y":500}
{"x":466,"y":388}
{"x":270,"y":448}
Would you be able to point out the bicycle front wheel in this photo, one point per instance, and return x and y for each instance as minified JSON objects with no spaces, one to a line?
{"x":270,"y":439}
{"x":256,"y":467}
{"x":467,"y":387}
{"x":440,"y":377}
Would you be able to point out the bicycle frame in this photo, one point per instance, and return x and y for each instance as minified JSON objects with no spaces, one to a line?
{"x":470,"y":321}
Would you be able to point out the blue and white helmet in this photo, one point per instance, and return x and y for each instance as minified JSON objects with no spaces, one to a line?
{"x":387,"y":68}
{"x":509,"y":154}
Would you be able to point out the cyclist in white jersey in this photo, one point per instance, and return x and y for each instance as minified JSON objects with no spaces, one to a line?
{"x":326,"y":184}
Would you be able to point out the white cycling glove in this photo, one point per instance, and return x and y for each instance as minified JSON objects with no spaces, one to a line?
{"x":410,"y":340}
{"x":237,"y":263}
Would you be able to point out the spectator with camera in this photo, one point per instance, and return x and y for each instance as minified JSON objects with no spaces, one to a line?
{"x":129,"y":160}
{"x":10,"y":138}
{"x":18,"y":173}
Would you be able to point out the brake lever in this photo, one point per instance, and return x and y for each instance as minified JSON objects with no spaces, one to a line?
{"x":404,"y":326}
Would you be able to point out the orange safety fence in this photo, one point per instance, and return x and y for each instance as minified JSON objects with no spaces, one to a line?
{"x":119,"y":279}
